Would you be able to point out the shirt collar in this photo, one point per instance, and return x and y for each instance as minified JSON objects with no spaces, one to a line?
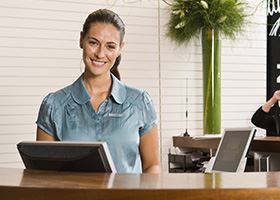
{"x":81,"y":95}
{"x":79,"y":92}
{"x":118,"y":90}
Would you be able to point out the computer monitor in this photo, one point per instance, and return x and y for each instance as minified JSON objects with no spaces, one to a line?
{"x":66,"y":156}
{"x":232,"y":150}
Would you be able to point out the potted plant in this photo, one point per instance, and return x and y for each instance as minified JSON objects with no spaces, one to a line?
{"x":208,"y":19}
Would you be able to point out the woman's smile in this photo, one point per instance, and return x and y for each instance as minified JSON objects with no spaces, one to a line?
{"x":101,"y":46}
{"x":98,"y":63}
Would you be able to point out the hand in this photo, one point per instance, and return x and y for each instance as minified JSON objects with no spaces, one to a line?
{"x":276,"y":96}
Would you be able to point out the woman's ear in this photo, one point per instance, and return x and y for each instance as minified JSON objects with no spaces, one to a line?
{"x":121,"y":46}
{"x":81,"y":39}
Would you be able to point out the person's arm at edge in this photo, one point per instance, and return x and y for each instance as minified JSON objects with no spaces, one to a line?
{"x":42,"y":135}
{"x":267,"y":106}
{"x":261,"y":118}
{"x":149,"y":150}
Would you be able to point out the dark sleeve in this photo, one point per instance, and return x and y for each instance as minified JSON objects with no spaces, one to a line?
{"x":263,"y":120}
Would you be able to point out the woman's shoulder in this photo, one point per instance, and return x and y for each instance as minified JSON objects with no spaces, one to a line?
{"x":133,"y":91}
{"x":136,"y":95}
{"x":59,"y":97}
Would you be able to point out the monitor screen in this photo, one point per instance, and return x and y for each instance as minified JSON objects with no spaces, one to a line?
{"x":66,"y":156}
{"x":233,"y":147}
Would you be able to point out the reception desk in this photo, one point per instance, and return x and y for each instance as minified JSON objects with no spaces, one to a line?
{"x":259,"y":144}
{"x":40,"y":185}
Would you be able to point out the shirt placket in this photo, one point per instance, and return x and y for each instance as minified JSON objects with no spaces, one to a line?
{"x":98,"y":119}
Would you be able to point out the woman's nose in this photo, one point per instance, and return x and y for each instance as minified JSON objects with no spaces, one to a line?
{"x":100,"y":52}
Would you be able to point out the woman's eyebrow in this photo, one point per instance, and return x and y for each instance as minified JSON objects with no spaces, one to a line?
{"x":110,"y":42}
{"x":92,"y":38}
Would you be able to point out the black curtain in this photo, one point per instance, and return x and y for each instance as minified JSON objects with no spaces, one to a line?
{"x":273,"y":48}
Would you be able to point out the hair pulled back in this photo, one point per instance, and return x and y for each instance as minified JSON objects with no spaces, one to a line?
{"x":108,"y":17}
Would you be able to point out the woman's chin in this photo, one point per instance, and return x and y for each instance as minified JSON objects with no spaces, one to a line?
{"x":96,"y":72}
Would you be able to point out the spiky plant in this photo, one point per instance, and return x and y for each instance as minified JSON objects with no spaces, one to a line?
{"x":208,"y":18}
{"x":189,"y":17}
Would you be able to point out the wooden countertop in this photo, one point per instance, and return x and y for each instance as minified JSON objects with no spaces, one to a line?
{"x":27,"y":184}
{"x":261,"y":144}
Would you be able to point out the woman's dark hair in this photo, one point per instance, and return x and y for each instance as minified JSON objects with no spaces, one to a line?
{"x":108,"y":17}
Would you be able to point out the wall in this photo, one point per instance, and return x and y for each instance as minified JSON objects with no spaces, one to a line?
{"x":39,"y":53}
{"x":243,"y":74}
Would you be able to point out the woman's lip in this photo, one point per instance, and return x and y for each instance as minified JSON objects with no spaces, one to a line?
{"x":98,"y":61}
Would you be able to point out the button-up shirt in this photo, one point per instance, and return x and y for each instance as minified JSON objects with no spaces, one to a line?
{"x":121,"y":120}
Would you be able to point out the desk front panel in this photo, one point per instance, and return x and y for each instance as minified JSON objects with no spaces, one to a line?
{"x":28,"y":184}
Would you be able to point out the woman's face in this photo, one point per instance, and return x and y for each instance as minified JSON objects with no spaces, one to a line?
{"x":101,"y":46}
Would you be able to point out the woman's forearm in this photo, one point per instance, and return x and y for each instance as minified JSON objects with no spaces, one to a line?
{"x":154,"y":169}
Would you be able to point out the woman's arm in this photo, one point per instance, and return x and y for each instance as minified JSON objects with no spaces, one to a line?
{"x":149,"y":150}
{"x":42,"y":135}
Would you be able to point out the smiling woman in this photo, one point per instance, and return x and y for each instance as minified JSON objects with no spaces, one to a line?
{"x":99,"y":107}
{"x":100,"y":49}
{"x":101,"y":45}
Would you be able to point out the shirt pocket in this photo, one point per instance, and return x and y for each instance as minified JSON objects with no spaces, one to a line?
{"x":121,"y":120}
{"x":118,"y":119}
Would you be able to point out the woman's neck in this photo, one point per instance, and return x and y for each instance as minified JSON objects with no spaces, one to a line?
{"x":98,"y":85}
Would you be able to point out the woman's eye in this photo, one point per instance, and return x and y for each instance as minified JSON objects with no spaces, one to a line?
{"x":93,"y":42}
{"x":111,"y":47}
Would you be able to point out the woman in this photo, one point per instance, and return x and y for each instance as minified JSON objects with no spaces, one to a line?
{"x":267,"y":116}
{"x":99,"y":107}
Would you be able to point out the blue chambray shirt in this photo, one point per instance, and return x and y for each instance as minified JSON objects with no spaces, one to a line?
{"x":121,"y":120}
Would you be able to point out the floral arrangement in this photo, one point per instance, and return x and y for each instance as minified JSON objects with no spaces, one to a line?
{"x":189,"y":17}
